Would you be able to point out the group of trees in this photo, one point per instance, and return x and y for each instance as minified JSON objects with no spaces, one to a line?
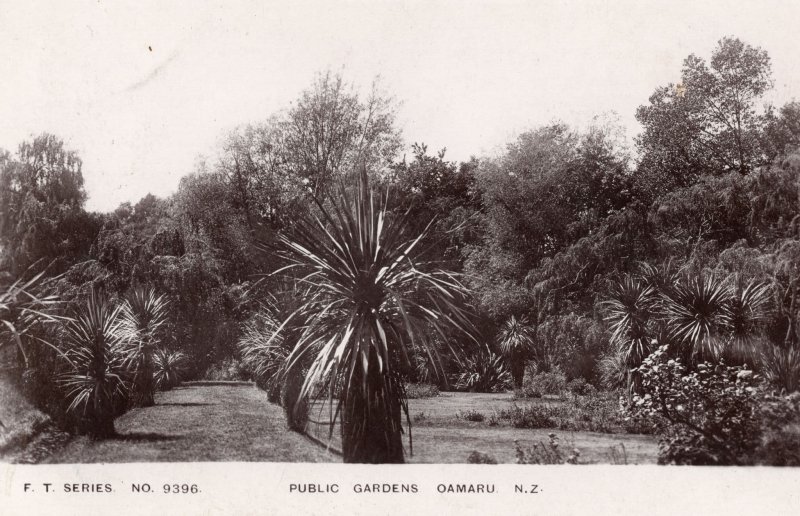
{"x":567,"y":250}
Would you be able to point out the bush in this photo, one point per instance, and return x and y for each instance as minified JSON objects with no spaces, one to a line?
{"x":477,"y":457}
{"x":484,"y":372}
{"x":581,"y":387}
{"x":230,"y":369}
{"x":534,"y":416}
{"x":550,"y":453}
{"x":705,"y":417}
{"x":536,"y":384}
{"x":782,"y":366}
{"x":597,"y":412}
{"x":780,"y":442}
{"x":421,"y":390}
{"x":472,"y":415}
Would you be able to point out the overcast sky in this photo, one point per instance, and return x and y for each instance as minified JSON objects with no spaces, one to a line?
{"x":141,"y":90}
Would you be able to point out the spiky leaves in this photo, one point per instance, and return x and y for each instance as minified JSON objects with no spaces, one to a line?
{"x":484,"y":372}
{"x":629,"y":313}
{"x":695,"y":312}
{"x":370,"y":301}
{"x":169,"y":368}
{"x":24,"y":305}
{"x":143,"y":314}
{"x":95,"y":384}
{"x":516,"y":342}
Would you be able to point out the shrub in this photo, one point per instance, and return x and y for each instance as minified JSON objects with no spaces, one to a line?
{"x":780,"y":442}
{"x":581,"y":387}
{"x":527,"y":391}
{"x":536,"y":384}
{"x":229,"y":369}
{"x":472,"y":415}
{"x":421,"y":390}
{"x":598,"y":412}
{"x":484,"y":372}
{"x":782,"y":366}
{"x":477,"y":457}
{"x":550,"y":453}
{"x":533,"y":416}
{"x":705,"y":417}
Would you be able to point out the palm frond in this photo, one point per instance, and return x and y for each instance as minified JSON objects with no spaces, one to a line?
{"x":96,"y":383}
{"x":371,"y":300}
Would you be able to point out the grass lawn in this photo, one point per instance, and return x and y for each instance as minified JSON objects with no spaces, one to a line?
{"x":200,"y":423}
{"x":441,"y":437}
{"x":237,"y":423}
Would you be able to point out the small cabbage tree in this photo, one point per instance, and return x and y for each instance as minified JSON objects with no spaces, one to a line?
{"x":516,"y":341}
{"x":371,"y":300}
{"x":95,"y":383}
{"x":169,"y":368}
{"x":143,"y":314}
{"x":630,"y":311}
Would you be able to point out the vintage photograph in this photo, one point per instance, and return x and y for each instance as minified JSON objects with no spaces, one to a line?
{"x":495,"y":232}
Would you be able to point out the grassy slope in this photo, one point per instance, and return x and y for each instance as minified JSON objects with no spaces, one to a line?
{"x":200,"y":423}
{"x":441,"y":437}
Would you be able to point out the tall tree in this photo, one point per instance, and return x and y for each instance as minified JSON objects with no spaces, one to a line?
{"x":330,"y":130}
{"x":710,"y":121}
{"x":41,"y":196}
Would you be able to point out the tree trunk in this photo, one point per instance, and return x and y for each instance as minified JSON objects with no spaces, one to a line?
{"x":296,"y":409}
{"x":144,"y":386}
{"x":372,"y":420}
{"x":518,"y":369}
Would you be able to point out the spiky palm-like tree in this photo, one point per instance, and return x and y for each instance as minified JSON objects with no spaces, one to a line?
{"x":745,"y":313}
{"x":23,"y":306}
{"x":143,"y":314}
{"x":169,"y":368}
{"x":268,"y":339}
{"x":484,"y":372}
{"x":371,"y":300}
{"x":516,"y":342}
{"x":630,"y":312}
{"x":96,"y":382}
{"x":696,"y":311}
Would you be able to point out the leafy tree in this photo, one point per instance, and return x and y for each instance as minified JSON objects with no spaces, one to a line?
{"x":41,"y":200}
{"x":709,"y":122}
{"x":331,"y":130}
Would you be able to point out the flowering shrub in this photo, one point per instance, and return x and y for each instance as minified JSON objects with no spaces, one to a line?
{"x":709,"y":416}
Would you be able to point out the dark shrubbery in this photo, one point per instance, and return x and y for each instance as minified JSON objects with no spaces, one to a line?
{"x":537,"y":384}
{"x":472,"y":415}
{"x":477,"y":457}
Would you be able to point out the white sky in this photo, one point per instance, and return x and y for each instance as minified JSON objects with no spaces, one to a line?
{"x":471,"y":75}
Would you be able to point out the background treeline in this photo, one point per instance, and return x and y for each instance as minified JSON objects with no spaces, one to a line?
{"x":544,"y":232}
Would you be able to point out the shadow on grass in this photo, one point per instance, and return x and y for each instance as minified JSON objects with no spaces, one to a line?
{"x":144,"y":437}
{"x":187,"y":404}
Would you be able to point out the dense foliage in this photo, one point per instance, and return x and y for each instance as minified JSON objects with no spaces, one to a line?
{"x":303,"y":254}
